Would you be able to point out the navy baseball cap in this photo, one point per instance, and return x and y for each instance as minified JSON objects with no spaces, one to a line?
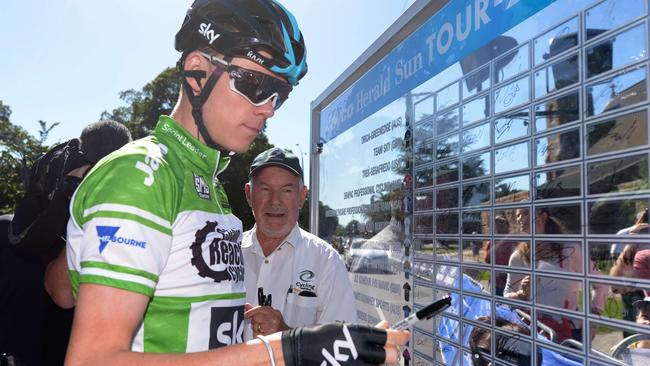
{"x":275,"y":156}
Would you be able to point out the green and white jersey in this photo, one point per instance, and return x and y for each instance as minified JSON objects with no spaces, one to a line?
{"x":152,"y":218}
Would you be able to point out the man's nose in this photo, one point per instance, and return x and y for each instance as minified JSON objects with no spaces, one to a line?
{"x":267,"y":109}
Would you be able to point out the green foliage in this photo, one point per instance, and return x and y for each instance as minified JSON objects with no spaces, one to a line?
{"x":18,"y":150}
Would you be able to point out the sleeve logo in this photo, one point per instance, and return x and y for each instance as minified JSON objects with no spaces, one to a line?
{"x":106,"y":234}
{"x":202,"y":188}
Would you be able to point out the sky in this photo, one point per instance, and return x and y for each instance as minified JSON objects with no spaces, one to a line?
{"x":66,"y":61}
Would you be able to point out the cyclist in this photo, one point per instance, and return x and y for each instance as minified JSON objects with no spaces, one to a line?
{"x":153,"y":249}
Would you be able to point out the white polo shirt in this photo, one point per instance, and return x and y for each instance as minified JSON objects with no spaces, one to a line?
{"x":302,"y":263}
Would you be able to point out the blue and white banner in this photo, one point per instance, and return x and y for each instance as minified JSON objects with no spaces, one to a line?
{"x":457,"y":30}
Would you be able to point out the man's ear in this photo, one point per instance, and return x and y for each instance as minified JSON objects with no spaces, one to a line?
{"x":303,"y":196}
{"x":247,"y":190}
{"x":194,"y":61}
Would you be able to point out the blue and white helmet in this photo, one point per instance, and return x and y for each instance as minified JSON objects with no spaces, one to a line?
{"x":245,"y":28}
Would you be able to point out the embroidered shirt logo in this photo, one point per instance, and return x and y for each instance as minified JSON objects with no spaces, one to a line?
{"x":202,"y":188}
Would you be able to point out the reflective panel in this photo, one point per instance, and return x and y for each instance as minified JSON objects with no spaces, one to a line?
{"x":423,"y":109}
{"x":512,"y":349}
{"x":423,"y":178}
{"x":557,"y":76}
{"x":512,"y":189}
{"x":447,"y":223}
{"x":447,"y":97}
{"x":502,"y":252}
{"x":476,"y":194}
{"x":512,"y":95}
{"x":447,"y":276}
{"x":560,"y":328}
{"x":513,"y":157}
{"x":422,"y":295}
{"x":551,"y":355}
{"x":558,"y":220}
{"x":423,"y":224}
{"x":518,"y":219}
{"x":422,"y":132}
{"x":423,"y":271}
{"x":558,"y":111}
{"x":618,"y":259}
{"x":451,"y":326}
{"x":618,"y":92}
{"x":564,"y":182}
{"x":420,"y":361}
{"x":517,"y":285}
{"x":476,"y":251}
{"x":423,"y":154}
{"x":624,"y":174}
{"x":556,"y":41}
{"x":511,"y":126}
{"x":604,"y":336}
{"x":512,"y":64}
{"x":559,"y":293}
{"x":446,"y":173}
{"x":619,"y":133}
{"x":476,"y":110}
{"x":471,"y":303}
{"x":623,"y":49}
{"x":477,"y":166}
{"x":447,"y":354}
{"x":447,"y":250}
{"x":447,"y":198}
{"x":447,"y":122}
{"x":480,"y":277}
{"x":425,"y":325}
{"x":558,"y":147}
{"x":423,"y":343}
{"x":558,"y":256}
{"x":448,"y":147}
{"x":618,"y":303}
{"x":476,"y":138}
{"x":477,"y":222}
{"x":423,"y":201}
{"x":476,"y":82}
{"x":455,"y":306}
{"x":610,"y":14}
{"x":608,"y":217}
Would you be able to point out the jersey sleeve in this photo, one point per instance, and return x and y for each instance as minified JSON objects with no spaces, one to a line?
{"x":119,"y":234}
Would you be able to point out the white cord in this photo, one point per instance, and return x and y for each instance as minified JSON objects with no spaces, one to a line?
{"x":268,"y":348}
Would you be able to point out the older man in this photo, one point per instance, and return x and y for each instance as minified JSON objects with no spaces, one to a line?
{"x":293,"y":278}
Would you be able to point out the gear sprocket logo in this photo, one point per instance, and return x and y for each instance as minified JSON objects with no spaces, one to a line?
{"x":216,"y":253}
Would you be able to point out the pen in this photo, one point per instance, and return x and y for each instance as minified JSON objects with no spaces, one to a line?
{"x":427,"y":312}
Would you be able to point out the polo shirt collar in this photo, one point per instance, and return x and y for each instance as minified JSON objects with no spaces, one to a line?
{"x":292,"y":239}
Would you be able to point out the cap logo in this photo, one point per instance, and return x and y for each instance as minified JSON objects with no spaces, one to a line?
{"x":209,"y":34}
{"x":255,"y":58}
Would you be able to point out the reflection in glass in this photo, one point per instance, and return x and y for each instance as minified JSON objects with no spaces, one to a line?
{"x":423,"y":178}
{"x":448,"y":354}
{"x":623,"y":49}
{"x":447,"y":97}
{"x":556,"y":41}
{"x":447,"y":198}
{"x":512,"y":126}
{"x":423,"y":271}
{"x":452,"y":330}
{"x":563,"y":326}
{"x":518,"y":220}
{"x":425,"y":325}
{"x":511,"y":95}
{"x":476,"y":110}
{"x":476,"y":222}
{"x":558,"y":183}
{"x":557,"y":112}
{"x":610,"y":14}
{"x":618,"y":92}
{"x":620,"y":305}
{"x":608,"y":217}
{"x":447,"y":122}
{"x":504,"y":248}
{"x":423,"y":154}
{"x":423,"y":224}
{"x":558,"y":147}
{"x":423,"y":201}
{"x":513,"y":157}
{"x":558,"y":220}
{"x":476,"y":194}
{"x":512,"y":64}
{"x":447,"y":223}
{"x":423,"y":343}
{"x":422,"y":295}
{"x":447,"y":250}
{"x":516,"y":285}
{"x":626,"y":174}
{"x":423,"y":109}
{"x":448,"y":147}
{"x":520,"y":349}
{"x":476,"y":302}
{"x":476,"y":138}
{"x":557,"y":76}
{"x":476,"y":251}
{"x":422,"y":132}
{"x":558,"y":256}
{"x":621,"y":132}
{"x":477,"y":166}
{"x":478,"y":81}
{"x":512,"y":189}
{"x":479,"y":276}
{"x":603,"y":333}
{"x":446,"y":173}
{"x":558,"y":292}
{"x":447,"y":276}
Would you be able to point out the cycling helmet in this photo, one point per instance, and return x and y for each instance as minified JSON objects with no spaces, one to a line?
{"x":244,"y":28}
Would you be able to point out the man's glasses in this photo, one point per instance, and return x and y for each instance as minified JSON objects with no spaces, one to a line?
{"x":256,"y":87}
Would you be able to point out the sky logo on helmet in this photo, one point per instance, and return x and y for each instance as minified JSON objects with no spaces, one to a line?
{"x":107,"y":235}
{"x":209,"y":34}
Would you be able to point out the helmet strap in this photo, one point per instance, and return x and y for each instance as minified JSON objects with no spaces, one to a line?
{"x":197,"y":101}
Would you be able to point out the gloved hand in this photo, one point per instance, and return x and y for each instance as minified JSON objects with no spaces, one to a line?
{"x":337,"y":344}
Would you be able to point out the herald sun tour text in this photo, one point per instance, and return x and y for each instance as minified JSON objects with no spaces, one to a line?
{"x":435,"y":47}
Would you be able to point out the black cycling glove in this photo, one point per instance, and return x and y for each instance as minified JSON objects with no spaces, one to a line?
{"x":336,"y":344}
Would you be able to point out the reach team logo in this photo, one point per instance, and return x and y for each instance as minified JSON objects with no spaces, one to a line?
{"x":107,"y":234}
{"x":223,"y":260}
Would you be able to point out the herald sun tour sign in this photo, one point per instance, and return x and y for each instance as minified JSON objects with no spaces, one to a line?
{"x":458,"y":29}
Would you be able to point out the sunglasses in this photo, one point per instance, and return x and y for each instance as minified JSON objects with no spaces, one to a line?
{"x":256,"y":87}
